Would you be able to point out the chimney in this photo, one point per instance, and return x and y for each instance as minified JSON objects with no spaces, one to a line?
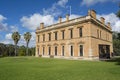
{"x":108,"y":24}
{"x":102,"y":19}
{"x":92,"y":13}
{"x":67,"y":17}
{"x":41,"y":25}
{"x":60,"y":19}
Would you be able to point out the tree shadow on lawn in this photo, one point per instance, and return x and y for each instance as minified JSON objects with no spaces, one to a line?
{"x":114,"y":59}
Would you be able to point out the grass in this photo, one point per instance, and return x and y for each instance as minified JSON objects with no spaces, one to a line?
{"x":30,"y":68}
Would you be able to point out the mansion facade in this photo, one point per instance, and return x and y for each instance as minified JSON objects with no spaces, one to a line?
{"x":80,"y":38}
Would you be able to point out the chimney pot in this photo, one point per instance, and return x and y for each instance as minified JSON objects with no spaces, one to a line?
{"x":60,"y":19}
{"x":67,"y":17}
{"x":92,"y":13}
{"x":108,"y":24}
{"x":102,"y":19}
{"x":41,"y":25}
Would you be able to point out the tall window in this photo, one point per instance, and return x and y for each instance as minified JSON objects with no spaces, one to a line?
{"x":108,"y":36}
{"x":55,"y":50}
{"x":71,"y":50}
{"x":49,"y":34}
{"x":97,"y":33}
{"x":81,"y":50}
{"x":62,"y":50}
{"x":38,"y":38}
{"x":43,"y":50}
{"x":80,"y":32}
{"x":43,"y":37}
{"x":55,"y":35}
{"x":38,"y":51}
{"x":49,"y":50}
{"x":63,"y":34}
{"x":71,"y":33}
{"x":100,"y":33}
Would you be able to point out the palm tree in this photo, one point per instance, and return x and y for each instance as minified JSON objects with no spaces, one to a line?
{"x":27,"y":37}
{"x":16,"y":38}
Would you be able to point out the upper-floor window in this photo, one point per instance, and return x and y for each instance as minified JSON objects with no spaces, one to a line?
{"x":38,"y":38}
{"x":100,"y":33}
{"x":63,"y":33}
{"x":97,"y":33}
{"x":108,"y":36}
{"x":71,"y":33}
{"x":80,"y":32}
{"x":55,"y":35}
{"x":49,"y":36}
{"x":43,"y":37}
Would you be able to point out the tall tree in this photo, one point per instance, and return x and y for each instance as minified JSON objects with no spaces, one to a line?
{"x":16,"y":38}
{"x":11,"y":49}
{"x":118,"y":13}
{"x":27,"y":37}
{"x":22,"y":50}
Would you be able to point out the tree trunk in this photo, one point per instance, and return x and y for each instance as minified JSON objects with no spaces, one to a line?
{"x":27,"y":49}
{"x":15,"y":49}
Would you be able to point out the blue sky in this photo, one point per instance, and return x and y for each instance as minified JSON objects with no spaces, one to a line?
{"x":23,"y":16}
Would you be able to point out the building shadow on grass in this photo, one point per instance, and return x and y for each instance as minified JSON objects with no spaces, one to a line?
{"x":114,"y":59}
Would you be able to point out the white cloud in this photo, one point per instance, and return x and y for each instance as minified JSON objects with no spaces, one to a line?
{"x":2,"y":18}
{"x":72,"y":16}
{"x":56,"y":9}
{"x":34,"y":20}
{"x":3,"y":26}
{"x":48,"y":17}
{"x":8,"y":39}
{"x":92,"y":2}
{"x":8,"y":36}
{"x":113,"y":19}
{"x":62,"y":3}
{"x":13,"y":28}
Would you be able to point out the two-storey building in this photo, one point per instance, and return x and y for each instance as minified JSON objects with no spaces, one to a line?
{"x":83,"y":37}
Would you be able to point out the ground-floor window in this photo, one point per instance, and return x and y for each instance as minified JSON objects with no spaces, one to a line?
{"x":62,"y":50}
{"x":49,"y":50}
{"x":55,"y":50}
{"x":71,"y":50}
{"x":81,"y":50}
{"x":38,"y":51}
{"x":43,"y":50}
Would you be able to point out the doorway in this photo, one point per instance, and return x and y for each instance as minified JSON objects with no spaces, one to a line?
{"x":104,"y":51}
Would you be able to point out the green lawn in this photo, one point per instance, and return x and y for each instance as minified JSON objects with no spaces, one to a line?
{"x":30,"y":68}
